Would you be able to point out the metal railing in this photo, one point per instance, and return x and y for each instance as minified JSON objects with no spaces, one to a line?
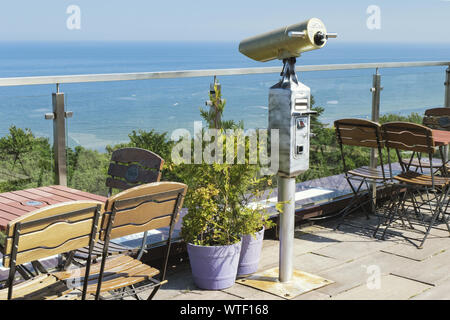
{"x":59,"y":112}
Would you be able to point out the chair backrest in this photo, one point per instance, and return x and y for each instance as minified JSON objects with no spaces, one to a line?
{"x":131,"y":167}
{"x":408,"y":136}
{"x":146,"y":207}
{"x":359,"y":132}
{"x":51,"y":230}
{"x":437,"y":118}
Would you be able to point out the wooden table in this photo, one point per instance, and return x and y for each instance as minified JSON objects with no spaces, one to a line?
{"x":441,"y":137}
{"x":17,"y":203}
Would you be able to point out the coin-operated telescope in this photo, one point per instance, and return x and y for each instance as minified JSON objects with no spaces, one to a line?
{"x":289,"y":112}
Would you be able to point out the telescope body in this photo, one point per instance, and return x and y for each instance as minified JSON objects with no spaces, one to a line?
{"x":283,"y":43}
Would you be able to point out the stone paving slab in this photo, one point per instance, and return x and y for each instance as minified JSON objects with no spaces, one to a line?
{"x":313,"y":295}
{"x":390,"y":288}
{"x":431,"y":271}
{"x":441,"y":292}
{"x":206,"y":295}
{"x":359,"y":271}
{"x":432,"y":246}
{"x":313,"y":263}
{"x":346,"y":251}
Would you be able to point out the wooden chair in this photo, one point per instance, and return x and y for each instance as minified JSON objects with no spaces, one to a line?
{"x":129,"y":168}
{"x":146,"y":207}
{"x":435,"y":118}
{"x":45,"y":232}
{"x":417,"y":138}
{"x":362,"y":133}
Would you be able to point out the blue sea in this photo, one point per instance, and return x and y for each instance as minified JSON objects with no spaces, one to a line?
{"x":105,"y":113}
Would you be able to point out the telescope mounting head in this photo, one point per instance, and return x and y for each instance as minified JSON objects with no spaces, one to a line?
{"x":288,"y":75}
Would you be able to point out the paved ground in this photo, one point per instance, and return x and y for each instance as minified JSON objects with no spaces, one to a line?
{"x":361,"y":267}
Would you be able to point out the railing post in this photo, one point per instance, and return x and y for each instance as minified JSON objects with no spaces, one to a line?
{"x":59,"y":116}
{"x":447,"y":88}
{"x":447,"y":104}
{"x":59,"y":139}
{"x":376,"y":94}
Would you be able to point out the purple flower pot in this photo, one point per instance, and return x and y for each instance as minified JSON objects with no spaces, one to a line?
{"x":214,"y":268}
{"x":250,"y":253}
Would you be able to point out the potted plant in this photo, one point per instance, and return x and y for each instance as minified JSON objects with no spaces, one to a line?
{"x":218,"y":212}
{"x":256,"y":222}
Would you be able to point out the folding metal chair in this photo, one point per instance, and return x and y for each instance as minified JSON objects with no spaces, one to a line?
{"x":45,"y":232}
{"x":146,"y":207}
{"x":435,"y":118}
{"x":361,"y":133}
{"x":416,"y":138}
{"x":129,"y":167}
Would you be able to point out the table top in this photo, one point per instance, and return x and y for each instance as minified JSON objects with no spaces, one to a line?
{"x":441,"y":137}
{"x":17,"y":203}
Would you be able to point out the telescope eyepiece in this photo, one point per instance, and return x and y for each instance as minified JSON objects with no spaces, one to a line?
{"x":319,"y":38}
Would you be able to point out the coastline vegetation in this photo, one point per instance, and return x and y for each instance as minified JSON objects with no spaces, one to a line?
{"x":26,"y":161}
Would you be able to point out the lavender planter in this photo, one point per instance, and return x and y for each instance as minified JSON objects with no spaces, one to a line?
{"x":250,"y":253}
{"x":214,"y":268}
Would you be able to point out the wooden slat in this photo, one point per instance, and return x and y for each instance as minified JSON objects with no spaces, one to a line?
{"x":359,"y":132}
{"x":51,"y":236}
{"x":408,"y":136}
{"x":13,"y":197}
{"x":118,"y":184}
{"x":144,"y":213}
{"x":147,"y":189}
{"x":421,"y":179}
{"x":120,"y":271}
{"x":367,"y":173}
{"x":125,"y":278}
{"x":37,"y":254}
{"x":441,"y":137}
{"x":48,"y":195}
{"x":11,"y":212}
{"x":366,"y":143}
{"x":144,"y":157}
{"x":53,"y":210}
{"x":142,"y":175}
{"x":86,"y":195}
{"x":125,"y":230}
{"x":95,"y":268}
{"x":24,"y":289}
{"x":437,"y":112}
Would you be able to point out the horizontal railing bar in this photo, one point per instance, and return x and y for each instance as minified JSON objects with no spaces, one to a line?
{"x":83,"y":78}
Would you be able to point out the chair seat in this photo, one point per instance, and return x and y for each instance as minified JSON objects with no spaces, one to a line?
{"x":43,"y":287}
{"x":368,"y":173}
{"x":97,"y":251}
{"x":120,"y":271}
{"x":422,"y":179}
{"x":425,"y":163}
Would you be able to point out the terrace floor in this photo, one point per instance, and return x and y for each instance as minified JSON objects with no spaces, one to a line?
{"x":349,"y":257}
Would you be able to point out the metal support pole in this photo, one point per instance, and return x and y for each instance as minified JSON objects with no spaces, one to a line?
{"x":59,"y":138}
{"x":376,"y":92}
{"x":447,"y":104}
{"x":286,"y":194}
{"x":447,"y":88}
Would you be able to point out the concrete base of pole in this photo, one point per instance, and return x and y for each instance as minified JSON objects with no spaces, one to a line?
{"x":300,"y":283}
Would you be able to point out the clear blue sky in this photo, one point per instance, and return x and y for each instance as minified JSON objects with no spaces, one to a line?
{"x":227,"y":20}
